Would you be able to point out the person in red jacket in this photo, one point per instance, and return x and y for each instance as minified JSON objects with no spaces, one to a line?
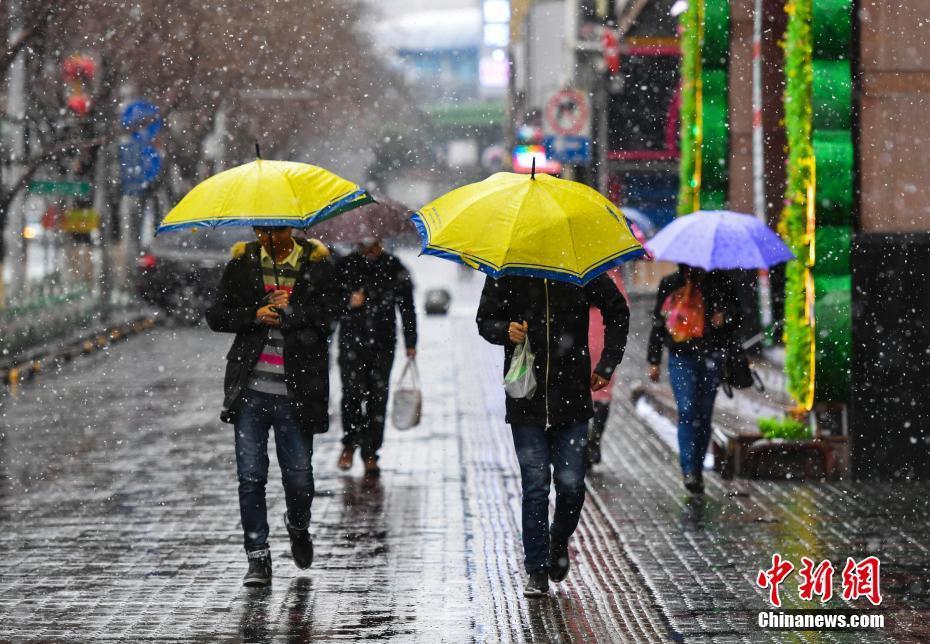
{"x":601,"y":397}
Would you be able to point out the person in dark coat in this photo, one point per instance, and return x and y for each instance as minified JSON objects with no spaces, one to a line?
{"x":694,"y":364}
{"x":283,"y":312}
{"x":378,"y":286}
{"x":550,"y":429}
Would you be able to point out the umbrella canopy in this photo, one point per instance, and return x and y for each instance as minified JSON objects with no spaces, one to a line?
{"x":384,"y":218}
{"x":517,"y":224}
{"x":266,"y":193}
{"x":719,"y":240}
{"x":641,"y":220}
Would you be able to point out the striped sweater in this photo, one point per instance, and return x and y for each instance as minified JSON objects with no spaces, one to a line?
{"x":268,"y":374}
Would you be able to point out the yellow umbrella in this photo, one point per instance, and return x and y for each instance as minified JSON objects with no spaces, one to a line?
{"x":266,"y":193}
{"x":517,"y":224}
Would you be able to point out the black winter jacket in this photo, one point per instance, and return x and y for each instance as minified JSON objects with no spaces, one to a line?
{"x":306,"y":325}
{"x":557,"y":314}
{"x":719,"y":297}
{"x":388,"y":288}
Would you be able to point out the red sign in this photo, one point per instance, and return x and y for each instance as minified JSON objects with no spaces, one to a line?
{"x":567,"y":113}
{"x":611,"y":46}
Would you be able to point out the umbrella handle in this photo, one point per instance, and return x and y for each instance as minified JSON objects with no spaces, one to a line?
{"x":274,"y":257}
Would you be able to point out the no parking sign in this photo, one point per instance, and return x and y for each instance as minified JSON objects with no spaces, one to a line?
{"x":568,"y":113}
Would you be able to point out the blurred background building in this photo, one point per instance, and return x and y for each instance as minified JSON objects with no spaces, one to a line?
{"x":452,"y":57}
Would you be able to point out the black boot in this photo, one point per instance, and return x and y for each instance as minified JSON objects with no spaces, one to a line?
{"x":259,"y":573}
{"x":537,"y":584}
{"x":558,"y":561}
{"x":301,"y":545}
{"x":694,"y":482}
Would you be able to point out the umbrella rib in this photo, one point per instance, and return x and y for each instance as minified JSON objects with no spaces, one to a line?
{"x":568,"y":225}
{"x":227,"y":197}
{"x":513,"y":222}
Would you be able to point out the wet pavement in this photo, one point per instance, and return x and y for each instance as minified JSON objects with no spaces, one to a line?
{"x":700,"y":556}
{"x":119,"y":518}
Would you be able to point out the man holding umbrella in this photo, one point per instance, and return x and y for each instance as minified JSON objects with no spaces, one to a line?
{"x":550,"y":430}
{"x":377,"y":285}
{"x":278,"y":295}
{"x":280,"y":298}
{"x":545,"y":244}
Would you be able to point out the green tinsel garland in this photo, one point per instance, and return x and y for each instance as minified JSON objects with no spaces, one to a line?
{"x":705,"y":106}
{"x":818,"y":106}
{"x":690,"y":55}
{"x":798,"y":121}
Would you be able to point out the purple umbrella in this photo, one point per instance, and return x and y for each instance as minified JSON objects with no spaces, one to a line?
{"x":719,"y":240}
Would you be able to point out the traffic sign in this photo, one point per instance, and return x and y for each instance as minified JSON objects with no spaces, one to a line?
{"x":575,"y":150}
{"x":140,"y":165}
{"x":567,"y":113}
{"x":60,"y":188}
{"x":140,"y":161}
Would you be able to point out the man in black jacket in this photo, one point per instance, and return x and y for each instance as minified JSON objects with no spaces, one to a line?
{"x":377,"y":285}
{"x":550,"y":429}
{"x":280,"y":298}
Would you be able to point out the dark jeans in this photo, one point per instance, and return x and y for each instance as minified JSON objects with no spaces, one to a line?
{"x":596,"y":427}
{"x":694,"y":379}
{"x":260,"y":412}
{"x":540,"y":451}
{"x":365,"y":381}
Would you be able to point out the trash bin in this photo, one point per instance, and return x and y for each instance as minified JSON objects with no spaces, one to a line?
{"x":437,"y":301}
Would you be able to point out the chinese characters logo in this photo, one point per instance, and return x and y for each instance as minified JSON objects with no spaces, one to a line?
{"x":860,"y":579}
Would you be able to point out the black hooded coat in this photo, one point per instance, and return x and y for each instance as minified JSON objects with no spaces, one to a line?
{"x":307,"y":324}
{"x":557,"y":314}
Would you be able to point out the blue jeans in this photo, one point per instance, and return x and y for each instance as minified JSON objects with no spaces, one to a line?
{"x":259,"y":413}
{"x":694,"y":379}
{"x":540,"y":451}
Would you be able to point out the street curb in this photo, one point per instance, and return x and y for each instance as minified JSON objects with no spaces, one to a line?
{"x":30,"y":367}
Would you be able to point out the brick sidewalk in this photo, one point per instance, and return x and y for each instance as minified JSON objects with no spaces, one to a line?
{"x":118,"y":515}
{"x":700,"y":557}
{"x":118,"y":519}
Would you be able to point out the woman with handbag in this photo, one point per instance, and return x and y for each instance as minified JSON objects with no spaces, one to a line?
{"x":697,"y":318}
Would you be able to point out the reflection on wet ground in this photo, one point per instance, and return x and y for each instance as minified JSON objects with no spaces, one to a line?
{"x":119,"y":506}
{"x":700,"y":556}
{"x":118,"y":521}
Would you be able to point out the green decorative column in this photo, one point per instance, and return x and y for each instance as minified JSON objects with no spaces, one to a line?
{"x":816,"y":221}
{"x":705,"y":136}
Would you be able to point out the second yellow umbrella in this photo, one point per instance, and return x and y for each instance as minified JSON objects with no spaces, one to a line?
{"x":539,"y":226}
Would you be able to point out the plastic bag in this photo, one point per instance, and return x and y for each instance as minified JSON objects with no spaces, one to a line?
{"x":408,"y":398}
{"x":683,"y":310}
{"x":520,"y":381}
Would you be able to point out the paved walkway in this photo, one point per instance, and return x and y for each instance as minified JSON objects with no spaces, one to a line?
{"x":700,"y":556}
{"x":118,"y":514}
{"x":118,"y":518}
